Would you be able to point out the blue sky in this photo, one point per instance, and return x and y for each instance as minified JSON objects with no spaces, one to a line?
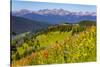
{"x":30,"y":5}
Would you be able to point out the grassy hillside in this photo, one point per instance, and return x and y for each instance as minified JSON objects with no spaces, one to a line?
{"x":58,"y":44}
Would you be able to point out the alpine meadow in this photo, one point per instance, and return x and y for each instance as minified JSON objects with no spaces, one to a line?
{"x":52,"y":33}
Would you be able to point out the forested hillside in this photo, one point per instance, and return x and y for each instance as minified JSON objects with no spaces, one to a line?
{"x":21,"y":25}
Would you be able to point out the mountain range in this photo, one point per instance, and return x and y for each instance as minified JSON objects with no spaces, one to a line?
{"x":33,"y":21}
{"x":55,"y":16}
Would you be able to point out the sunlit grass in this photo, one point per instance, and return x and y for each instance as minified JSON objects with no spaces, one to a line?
{"x":63,"y":47}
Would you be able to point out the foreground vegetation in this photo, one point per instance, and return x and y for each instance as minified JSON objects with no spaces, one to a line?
{"x":58,"y":44}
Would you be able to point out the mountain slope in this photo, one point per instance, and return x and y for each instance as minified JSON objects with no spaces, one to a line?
{"x":20,"y":25}
{"x":56,"y":19}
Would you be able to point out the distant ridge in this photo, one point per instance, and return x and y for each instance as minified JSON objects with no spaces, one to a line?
{"x":21,"y":25}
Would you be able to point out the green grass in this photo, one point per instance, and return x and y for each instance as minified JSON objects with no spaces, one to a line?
{"x":51,"y":37}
